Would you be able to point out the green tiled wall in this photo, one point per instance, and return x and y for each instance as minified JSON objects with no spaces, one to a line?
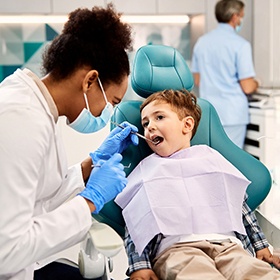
{"x":22,"y":45}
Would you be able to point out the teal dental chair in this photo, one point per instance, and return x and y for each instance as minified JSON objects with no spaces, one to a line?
{"x":158,"y":67}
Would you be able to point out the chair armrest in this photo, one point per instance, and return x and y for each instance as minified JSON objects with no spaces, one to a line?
{"x":105,"y":239}
{"x":101,"y":244}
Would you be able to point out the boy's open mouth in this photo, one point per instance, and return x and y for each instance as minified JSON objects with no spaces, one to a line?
{"x":157,"y":140}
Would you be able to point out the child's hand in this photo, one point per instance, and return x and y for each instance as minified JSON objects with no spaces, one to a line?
{"x":143,"y":274}
{"x":265,"y":255}
{"x":276,"y":261}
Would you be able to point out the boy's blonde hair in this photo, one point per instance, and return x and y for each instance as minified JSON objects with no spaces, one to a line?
{"x":183,"y":102}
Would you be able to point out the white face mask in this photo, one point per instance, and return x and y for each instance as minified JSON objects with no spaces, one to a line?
{"x":86,"y":122}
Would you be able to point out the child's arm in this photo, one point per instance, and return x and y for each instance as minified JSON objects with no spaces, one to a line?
{"x":253,"y":230}
{"x":257,"y":237}
{"x":140,"y":264}
{"x":143,"y":274}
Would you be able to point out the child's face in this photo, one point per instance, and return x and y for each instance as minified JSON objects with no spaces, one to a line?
{"x":163,"y":125}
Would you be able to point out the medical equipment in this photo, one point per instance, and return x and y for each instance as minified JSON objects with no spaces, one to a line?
{"x":102,"y":243}
{"x":136,"y":133}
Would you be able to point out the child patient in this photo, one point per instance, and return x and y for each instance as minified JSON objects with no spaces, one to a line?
{"x":185,"y":206}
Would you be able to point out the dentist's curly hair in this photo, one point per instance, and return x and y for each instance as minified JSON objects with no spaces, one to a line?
{"x":96,"y":38}
{"x":183,"y":102}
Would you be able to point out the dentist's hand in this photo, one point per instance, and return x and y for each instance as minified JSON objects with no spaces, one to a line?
{"x":105,"y":182}
{"x":116,"y":142}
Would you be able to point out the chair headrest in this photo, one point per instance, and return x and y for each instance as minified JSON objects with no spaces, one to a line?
{"x":159,"y":67}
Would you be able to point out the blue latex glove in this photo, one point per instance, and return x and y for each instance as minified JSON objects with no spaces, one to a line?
{"x":105,"y":182}
{"x":116,"y":142}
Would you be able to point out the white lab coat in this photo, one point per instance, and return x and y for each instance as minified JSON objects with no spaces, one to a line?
{"x":34,"y":182}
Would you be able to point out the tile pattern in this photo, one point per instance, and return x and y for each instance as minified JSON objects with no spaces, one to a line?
{"x":22,"y":45}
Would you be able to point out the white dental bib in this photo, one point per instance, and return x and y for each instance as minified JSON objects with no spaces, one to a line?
{"x":194,"y":191}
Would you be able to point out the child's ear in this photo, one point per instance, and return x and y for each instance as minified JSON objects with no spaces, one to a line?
{"x":188,"y":124}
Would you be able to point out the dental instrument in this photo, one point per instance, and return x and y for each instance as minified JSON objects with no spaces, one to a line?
{"x":138,"y":134}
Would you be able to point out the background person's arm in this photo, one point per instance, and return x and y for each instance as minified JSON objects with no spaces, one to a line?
{"x":249,"y":85}
{"x":196,"y":77}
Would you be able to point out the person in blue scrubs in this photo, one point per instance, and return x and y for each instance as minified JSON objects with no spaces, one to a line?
{"x":223,"y":69}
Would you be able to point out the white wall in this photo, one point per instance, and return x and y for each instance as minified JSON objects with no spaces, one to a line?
{"x":267,"y":42}
{"x":79,"y":145}
{"x":125,"y":6}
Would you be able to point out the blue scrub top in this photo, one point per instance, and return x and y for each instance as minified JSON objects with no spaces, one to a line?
{"x":222,"y":58}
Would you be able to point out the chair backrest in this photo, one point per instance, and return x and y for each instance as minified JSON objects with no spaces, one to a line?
{"x":158,"y":67}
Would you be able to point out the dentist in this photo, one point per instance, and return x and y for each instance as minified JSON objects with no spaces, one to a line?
{"x":86,"y":72}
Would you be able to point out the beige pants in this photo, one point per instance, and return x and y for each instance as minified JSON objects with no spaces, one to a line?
{"x":206,"y":260}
